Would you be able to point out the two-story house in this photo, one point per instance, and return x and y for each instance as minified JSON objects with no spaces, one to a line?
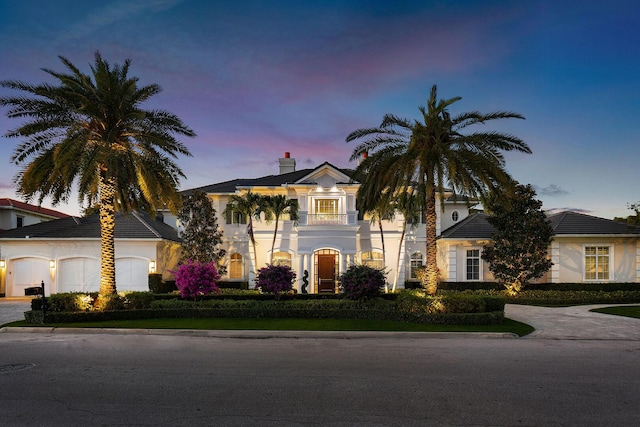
{"x":330,"y":234}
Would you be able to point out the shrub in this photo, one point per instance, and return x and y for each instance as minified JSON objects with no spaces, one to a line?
{"x":275,"y":279}
{"x":194,"y":278}
{"x":362,"y":282}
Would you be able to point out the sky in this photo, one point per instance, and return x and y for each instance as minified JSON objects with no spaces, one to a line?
{"x":255,"y":79}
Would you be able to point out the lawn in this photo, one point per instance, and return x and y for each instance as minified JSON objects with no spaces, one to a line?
{"x":508,"y":325}
{"x":627,"y":311}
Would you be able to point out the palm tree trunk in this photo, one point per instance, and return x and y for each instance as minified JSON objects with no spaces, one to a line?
{"x":107,"y":237}
{"x":273,"y":242}
{"x":384,"y":262}
{"x":395,"y":280}
{"x":432,"y":261}
{"x":252,"y":239}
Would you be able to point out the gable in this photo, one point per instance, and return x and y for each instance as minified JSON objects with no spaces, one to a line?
{"x":325,"y":175}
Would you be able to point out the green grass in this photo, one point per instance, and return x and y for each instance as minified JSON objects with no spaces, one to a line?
{"x":509,"y":325}
{"x":628,"y":311}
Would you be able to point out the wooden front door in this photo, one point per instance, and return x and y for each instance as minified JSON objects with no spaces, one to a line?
{"x":326,"y":273}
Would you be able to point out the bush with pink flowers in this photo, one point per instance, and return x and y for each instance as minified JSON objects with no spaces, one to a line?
{"x":194,"y":279}
{"x":275,"y":279}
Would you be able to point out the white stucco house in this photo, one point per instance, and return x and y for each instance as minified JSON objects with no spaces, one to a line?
{"x":331,"y":233}
{"x":585,"y":249}
{"x":65,"y":254}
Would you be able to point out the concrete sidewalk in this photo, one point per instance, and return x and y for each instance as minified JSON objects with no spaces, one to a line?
{"x":574,"y":323}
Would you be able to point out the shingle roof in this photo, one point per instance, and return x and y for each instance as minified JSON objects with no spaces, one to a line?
{"x":473,"y":227}
{"x":573,"y":223}
{"x":131,"y":226}
{"x":16,"y":204}
{"x":476,"y":227}
{"x":264,"y":181}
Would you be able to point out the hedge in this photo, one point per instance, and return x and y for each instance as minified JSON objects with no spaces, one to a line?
{"x":406,"y":306}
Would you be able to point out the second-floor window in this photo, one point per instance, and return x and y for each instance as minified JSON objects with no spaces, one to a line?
{"x":235,"y":218}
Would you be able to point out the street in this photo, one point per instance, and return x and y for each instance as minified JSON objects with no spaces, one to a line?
{"x":111,"y":379}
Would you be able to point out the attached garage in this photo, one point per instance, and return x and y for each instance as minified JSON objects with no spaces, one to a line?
{"x":78,"y":275}
{"x":27,"y":272}
{"x":132,"y":274}
{"x":73,"y":246}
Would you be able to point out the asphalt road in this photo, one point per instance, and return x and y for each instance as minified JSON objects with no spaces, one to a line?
{"x":110,"y":379}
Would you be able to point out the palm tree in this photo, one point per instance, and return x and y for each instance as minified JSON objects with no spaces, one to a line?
{"x":382,"y":210}
{"x":248,"y":205}
{"x":91,"y":129}
{"x":408,"y":205}
{"x":274,"y":208}
{"x":430,"y":155}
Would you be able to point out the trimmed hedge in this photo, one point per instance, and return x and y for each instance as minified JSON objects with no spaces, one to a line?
{"x":407,"y":306}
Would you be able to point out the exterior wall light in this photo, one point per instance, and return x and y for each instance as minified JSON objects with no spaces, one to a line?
{"x":152,"y":266}
{"x":3,"y":263}
{"x":52,"y":264}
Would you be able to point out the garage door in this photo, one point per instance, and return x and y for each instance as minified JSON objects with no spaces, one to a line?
{"x":132,"y":274}
{"x":26,"y":272}
{"x":79,"y":275}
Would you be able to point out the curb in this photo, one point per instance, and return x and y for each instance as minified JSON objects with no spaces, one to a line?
{"x":255,"y":334}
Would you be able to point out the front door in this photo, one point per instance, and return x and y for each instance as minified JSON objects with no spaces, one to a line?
{"x":326,"y":273}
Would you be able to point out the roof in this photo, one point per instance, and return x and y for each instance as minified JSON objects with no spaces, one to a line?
{"x":573,"y":223}
{"x":128,"y":226}
{"x":476,"y":227}
{"x":6,"y":203}
{"x":473,"y":227}
{"x":264,"y":181}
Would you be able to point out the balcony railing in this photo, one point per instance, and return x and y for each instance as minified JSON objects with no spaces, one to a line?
{"x":326,"y":219}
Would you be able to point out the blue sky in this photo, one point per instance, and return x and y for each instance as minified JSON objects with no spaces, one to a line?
{"x":255,"y":79}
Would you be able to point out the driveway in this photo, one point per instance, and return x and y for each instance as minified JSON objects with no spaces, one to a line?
{"x":12,"y":309}
{"x":574,"y":323}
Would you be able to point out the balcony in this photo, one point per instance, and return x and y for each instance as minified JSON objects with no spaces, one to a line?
{"x":328,"y":219}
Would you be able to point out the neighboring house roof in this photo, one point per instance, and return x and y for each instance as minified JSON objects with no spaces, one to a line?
{"x":265,"y":181}
{"x":6,"y":203}
{"x":128,"y":226}
{"x":476,"y":227}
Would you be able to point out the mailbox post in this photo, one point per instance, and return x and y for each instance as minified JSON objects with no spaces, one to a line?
{"x":38,"y":290}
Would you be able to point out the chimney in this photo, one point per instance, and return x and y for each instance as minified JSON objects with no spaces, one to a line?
{"x":363,"y":158}
{"x":287,"y":164}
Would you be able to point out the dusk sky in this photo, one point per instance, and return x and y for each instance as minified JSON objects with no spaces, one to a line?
{"x":254,"y":79}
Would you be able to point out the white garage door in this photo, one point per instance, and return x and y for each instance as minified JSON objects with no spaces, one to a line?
{"x":79,"y":275}
{"x":25,"y":273}
{"x":132,"y":274}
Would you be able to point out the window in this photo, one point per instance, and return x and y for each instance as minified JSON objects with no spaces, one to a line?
{"x":473,"y":264}
{"x":327,"y":207}
{"x":19,"y":221}
{"x":282,"y":258}
{"x":372,"y":259}
{"x":415,"y":265}
{"x":455,"y":216}
{"x":235,"y":218}
{"x":235,"y":266}
{"x":597,"y":263}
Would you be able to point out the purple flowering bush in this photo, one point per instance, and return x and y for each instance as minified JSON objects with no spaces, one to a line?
{"x":362,"y":282}
{"x":275,"y":279}
{"x":194,"y":278}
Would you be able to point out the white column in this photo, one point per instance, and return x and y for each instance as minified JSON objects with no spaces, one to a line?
{"x":452,"y":271}
{"x":555,"y":259}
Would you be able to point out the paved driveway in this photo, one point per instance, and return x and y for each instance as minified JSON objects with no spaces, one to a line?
{"x":12,"y":309}
{"x":574,"y":323}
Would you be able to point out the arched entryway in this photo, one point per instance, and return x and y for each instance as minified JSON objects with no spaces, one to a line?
{"x":326,"y":270}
